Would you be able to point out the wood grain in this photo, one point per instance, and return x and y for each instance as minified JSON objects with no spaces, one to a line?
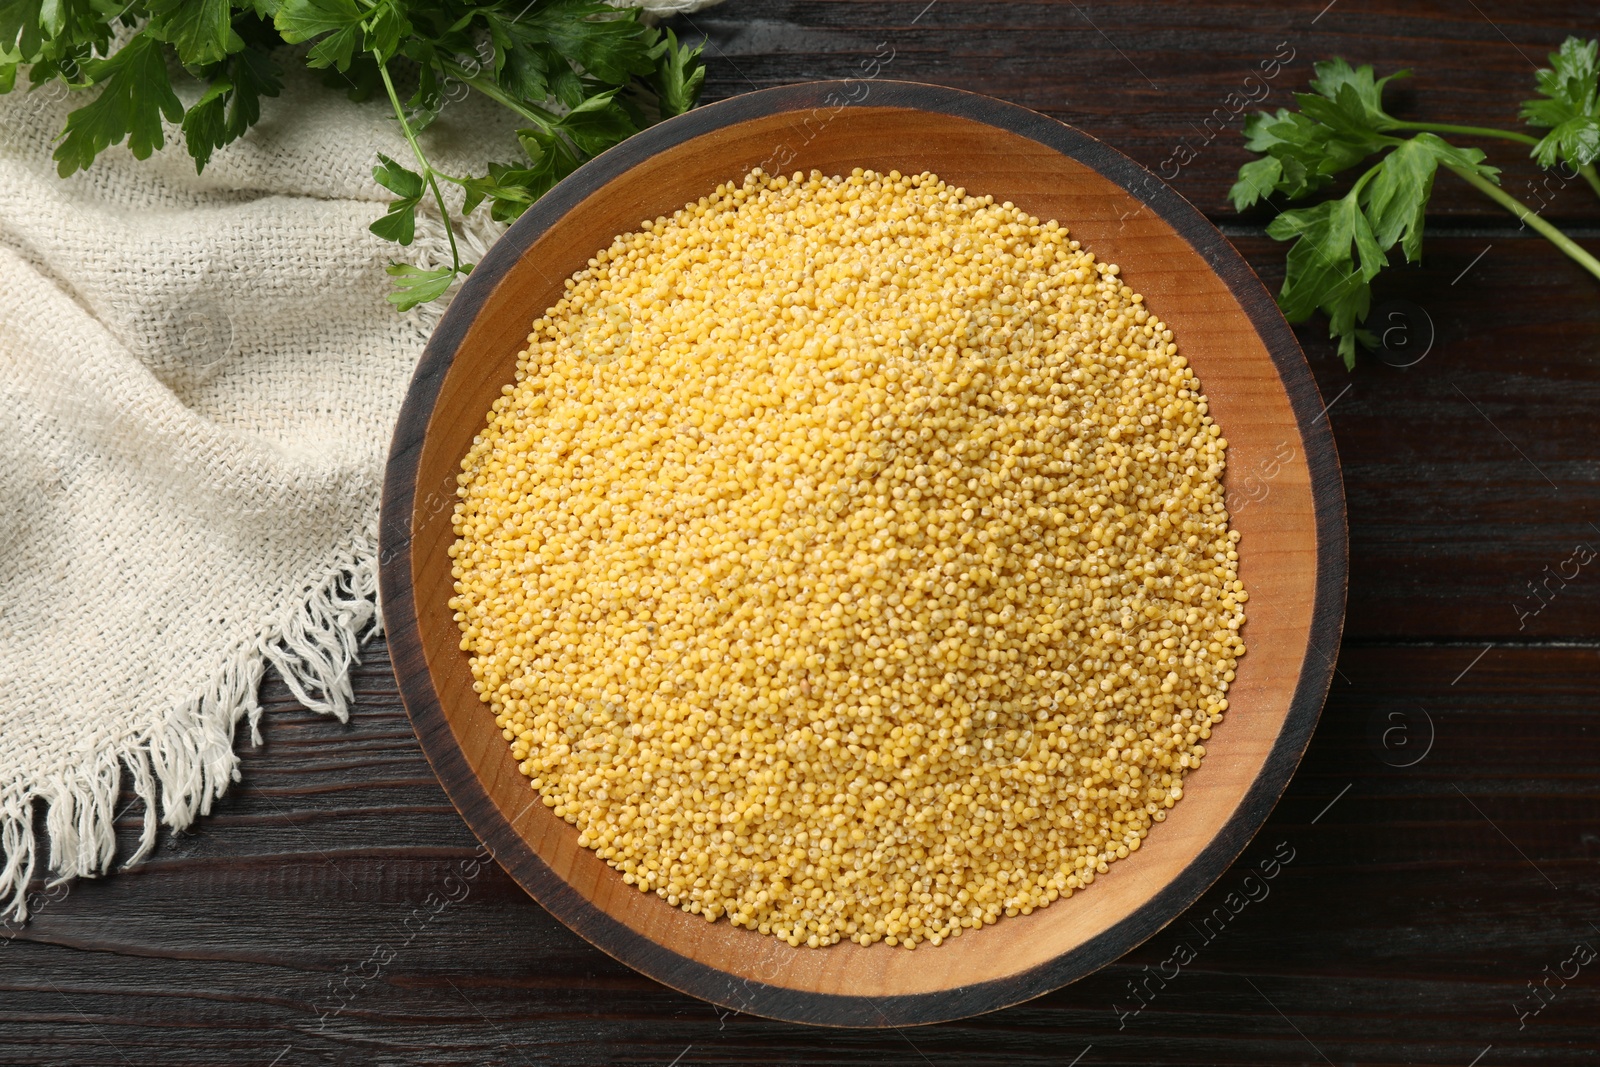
{"x":1406,"y":928}
{"x":1403,"y":930}
{"x":1154,"y":78}
{"x":1472,"y":474}
{"x":1259,"y":389}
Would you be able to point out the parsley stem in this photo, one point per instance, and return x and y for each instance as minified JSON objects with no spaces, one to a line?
{"x":1587,"y":170}
{"x":488,"y":88}
{"x":1528,"y":218}
{"x":1467,"y":131}
{"x":422,"y":161}
{"x":1355,"y":190}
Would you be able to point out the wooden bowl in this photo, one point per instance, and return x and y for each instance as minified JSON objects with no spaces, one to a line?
{"x":1283,"y":481}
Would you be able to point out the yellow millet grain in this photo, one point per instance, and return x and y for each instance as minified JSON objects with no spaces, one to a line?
{"x":849,"y":559}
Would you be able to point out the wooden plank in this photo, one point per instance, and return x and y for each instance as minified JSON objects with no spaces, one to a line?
{"x":1418,"y":907}
{"x":311,"y":917}
{"x":1149,"y":77}
{"x":1471,"y":476}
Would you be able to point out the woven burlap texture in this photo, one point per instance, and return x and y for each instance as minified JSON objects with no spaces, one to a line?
{"x":199,"y":378}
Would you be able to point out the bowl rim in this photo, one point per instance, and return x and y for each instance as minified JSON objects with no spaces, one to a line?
{"x":512,"y":851}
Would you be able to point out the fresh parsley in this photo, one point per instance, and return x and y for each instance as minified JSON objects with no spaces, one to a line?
{"x":1341,"y":244}
{"x":580,"y":74}
{"x":1568,"y":108}
{"x":135,"y":95}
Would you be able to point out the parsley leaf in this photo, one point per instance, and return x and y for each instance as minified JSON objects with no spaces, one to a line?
{"x":135,"y":94}
{"x":1341,"y":245}
{"x":1347,"y":99}
{"x":1569,"y":108}
{"x":536,"y":51}
{"x":605,"y":43}
{"x":678,"y":77}
{"x":388,"y":26}
{"x":255,"y":75}
{"x":508,"y":189}
{"x":231,"y":103}
{"x":53,"y":17}
{"x":1339,"y":125}
{"x":550,"y":157}
{"x":522,"y":67}
{"x":1334,"y":257}
{"x":597,"y":123}
{"x":200,"y":30}
{"x":336,"y":22}
{"x":400,"y":224}
{"x":413,"y":285}
{"x":583,"y":74}
{"x":1398,"y":194}
{"x":21,"y":28}
{"x":205,"y":124}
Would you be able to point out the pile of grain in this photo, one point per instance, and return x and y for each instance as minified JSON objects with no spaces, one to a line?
{"x":849,"y":559}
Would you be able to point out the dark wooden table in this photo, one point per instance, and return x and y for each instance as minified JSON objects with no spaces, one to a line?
{"x":1445,"y":824}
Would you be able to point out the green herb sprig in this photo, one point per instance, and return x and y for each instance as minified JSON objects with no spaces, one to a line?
{"x":580,"y":74}
{"x":1341,"y":245}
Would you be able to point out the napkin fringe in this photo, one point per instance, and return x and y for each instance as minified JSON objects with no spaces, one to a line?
{"x":185,"y":763}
